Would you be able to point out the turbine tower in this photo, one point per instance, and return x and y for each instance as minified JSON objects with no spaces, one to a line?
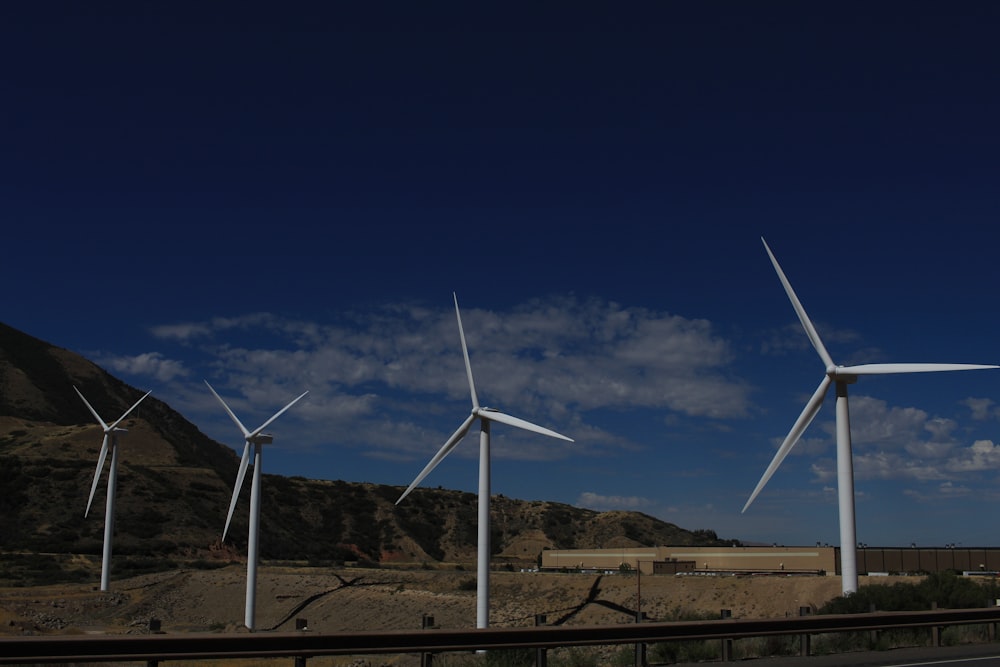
{"x":841,"y":376}
{"x":257,"y":439}
{"x":485,"y":416}
{"x":111,"y":432}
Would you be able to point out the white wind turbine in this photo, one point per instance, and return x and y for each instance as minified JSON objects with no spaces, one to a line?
{"x":485,"y":416}
{"x":111,"y":432}
{"x":257,"y":439}
{"x":841,"y":376}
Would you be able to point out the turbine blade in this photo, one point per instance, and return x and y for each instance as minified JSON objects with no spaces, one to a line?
{"x":465,"y":353}
{"x":496,"y":416}
{"x":91,"y":408}
{"x":800,"y":311}
{"x":886,"y":369}
{"x":801,"y":424}
{"x":239,"y":485}
{"x":243,"y":429}
{"x":97,"y":474}
{"x":276,"y":415}
{"x":134,"y":406}
{"x":455,"y":438}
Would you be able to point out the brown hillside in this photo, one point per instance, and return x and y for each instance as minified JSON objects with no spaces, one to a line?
{"x":175,"y":484}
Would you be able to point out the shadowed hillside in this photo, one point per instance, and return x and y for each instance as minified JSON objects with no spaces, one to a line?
{"x":175,"y":484}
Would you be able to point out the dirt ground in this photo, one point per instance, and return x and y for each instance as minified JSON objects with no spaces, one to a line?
{"x":334,"y":600}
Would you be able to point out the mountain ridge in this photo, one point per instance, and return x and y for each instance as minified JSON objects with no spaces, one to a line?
{"x":175,"y":484}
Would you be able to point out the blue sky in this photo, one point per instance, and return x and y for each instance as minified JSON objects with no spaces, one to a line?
{"x":284,"y":199}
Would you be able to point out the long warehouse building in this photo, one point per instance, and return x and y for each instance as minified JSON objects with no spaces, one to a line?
{"x":773,"y":559}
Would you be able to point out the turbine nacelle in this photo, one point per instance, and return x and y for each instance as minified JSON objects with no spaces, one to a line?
{"x":261,"y":439}
{"x":842,"y":375}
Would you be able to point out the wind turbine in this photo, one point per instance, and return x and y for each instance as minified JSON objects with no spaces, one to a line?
{"x":257,"y":439}
{"x":111,"y":432}
{"x":841,"y":376}
{"x":485,"y":416}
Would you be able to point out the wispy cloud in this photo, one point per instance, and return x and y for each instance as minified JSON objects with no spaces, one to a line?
{"x":792,"y":338}
{"x":193,"y":331}
{"x":596,"y":501}
{"x":150,"y":364}
{"x":923,"y":461}
{"x":184,"y":331}
{"x":391,"y":382}
{"x":551,"y":360}
{"x":874,"y":422}
{"x":891,"y":442}
{"x":982,"y":455}
{"x":944,"y":490}
{"x":982,"y":408}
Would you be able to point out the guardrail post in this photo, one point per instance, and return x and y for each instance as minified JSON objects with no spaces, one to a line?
{"x":541,"y":656}
{"x":727,"y":644}
{"x":154,"y":627}
{"x":302,"y":625}
{"x":935,"y":631}
{"x":805,"y":641}
{"x":427,"y":659}
{"x":873,"y":636}
{"x":640,"y":647}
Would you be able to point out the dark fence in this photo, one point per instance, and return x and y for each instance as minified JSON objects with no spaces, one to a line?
{"x":916,"y":559}
{"x":200,"y":646}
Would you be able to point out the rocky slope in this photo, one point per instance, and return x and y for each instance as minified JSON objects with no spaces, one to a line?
{"x":175,"y":484}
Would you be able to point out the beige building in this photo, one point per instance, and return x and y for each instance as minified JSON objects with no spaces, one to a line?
{"x":729,"y":559}
{"x":811,"y":560}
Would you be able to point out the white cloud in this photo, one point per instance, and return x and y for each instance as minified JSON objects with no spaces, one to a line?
{"x":982,"y":408}
{"x":192,"y":331}
{"x":900,"y":443}
{"x":792,"y":338}
{"x":377,"y":379}
{"x":943,"y":491}
{"x":180,"y":332}
{"x":919,"y":461}
{"x":953,"y":490}
{"x":549,"y":361}
{"x":544,"y":356}
{"x":893,"y":465}
{"x":824,"y":470}
{"x":929,"y":450}
{"x":982,"y":455}
{"x":149,"y":364}
{"x":874,"y":422}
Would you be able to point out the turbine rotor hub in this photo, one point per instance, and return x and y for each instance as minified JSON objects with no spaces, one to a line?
{"x":837,"y":373}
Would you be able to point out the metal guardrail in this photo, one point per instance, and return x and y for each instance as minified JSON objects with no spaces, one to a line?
{"x":200,"y":646}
